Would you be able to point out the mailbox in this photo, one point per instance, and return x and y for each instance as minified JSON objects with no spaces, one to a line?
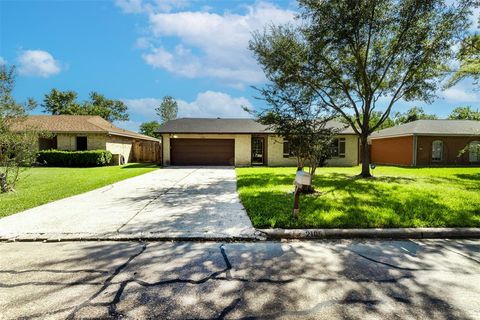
{"x":302,"y":178}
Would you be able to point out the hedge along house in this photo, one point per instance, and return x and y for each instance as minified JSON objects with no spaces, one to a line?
{"x":426,"y":143}
{"x":78,"y":133}
{"x":240,"y":142}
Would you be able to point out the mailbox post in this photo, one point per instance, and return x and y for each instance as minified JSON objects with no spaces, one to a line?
{"x":301,"y":179}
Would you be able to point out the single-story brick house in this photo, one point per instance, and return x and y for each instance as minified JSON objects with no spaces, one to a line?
{"x":74,"y":132}
{"x":240,"y":142}
{"x":427,"y":142}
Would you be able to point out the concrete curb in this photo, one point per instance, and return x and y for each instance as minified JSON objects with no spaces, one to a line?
{"x":215,"y":237}
{"x":394,"y":233}
{"x":260,"y":235}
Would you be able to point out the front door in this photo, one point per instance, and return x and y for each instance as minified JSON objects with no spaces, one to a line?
{"x":258,"y":150}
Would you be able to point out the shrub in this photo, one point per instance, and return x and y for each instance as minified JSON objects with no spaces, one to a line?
{"x":61,"y":158}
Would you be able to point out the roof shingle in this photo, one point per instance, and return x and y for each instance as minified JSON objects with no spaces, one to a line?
{"x":75,"y":124}
{"x":431,"y":127}
{"x":234,"y":126}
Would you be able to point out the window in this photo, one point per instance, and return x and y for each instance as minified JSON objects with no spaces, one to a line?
{"x":81,"y":143}
{"x":338,"y":148}
{"x":437,"y":150}
{"x":287,"y":152}
{"x":474,"y":151}
{"x":47,"y":143}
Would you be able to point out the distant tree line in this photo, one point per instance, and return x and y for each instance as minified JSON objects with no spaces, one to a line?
{"x":66,"y":102}
{"x":166,"y":111}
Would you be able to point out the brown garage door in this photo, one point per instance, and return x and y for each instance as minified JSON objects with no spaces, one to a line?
{"x":210,"y":152}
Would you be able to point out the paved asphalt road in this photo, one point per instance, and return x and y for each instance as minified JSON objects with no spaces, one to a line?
{"x":430,"y":279}
{"x":171,"y":202}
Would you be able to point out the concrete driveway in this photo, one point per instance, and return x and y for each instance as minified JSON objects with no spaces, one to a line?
{"x":185,"y":202}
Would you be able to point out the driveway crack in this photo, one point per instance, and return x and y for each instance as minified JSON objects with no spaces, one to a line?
{"x":107,"y":282}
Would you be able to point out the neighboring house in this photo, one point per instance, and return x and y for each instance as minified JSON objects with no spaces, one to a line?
{"x":427,"y":142}
{"x":72,"y":132}
{"x":240,"y":142}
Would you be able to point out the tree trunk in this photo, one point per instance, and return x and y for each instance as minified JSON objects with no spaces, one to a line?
{"x":365,"y":157}
{"x":3,"y":183}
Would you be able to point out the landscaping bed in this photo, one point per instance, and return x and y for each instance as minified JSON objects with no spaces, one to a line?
{"x":396,"y":198}
{"x":38,"y":186}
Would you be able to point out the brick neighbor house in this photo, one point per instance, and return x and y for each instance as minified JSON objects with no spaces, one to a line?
{"x":74,"y":132}
{"x":426,"y":143}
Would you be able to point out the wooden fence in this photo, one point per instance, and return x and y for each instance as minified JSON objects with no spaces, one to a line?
{"x":147,"y":151}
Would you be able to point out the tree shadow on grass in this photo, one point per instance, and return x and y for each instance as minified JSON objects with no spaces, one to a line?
{"x":349,"y":202}
{"x":469,"y":181}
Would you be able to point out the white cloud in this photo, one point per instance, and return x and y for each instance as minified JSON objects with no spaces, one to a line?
{"x":208,"y":104}
{"x":130,"y":6}
{"x":2,"y":61}
{"x":38,"y":63}
{"x":143,"y":43}
{"x":458,"y":94}
{"x":212,"y":45}
{"x":143,"y":106}
{"x":128,"y":125}
{"x":150,"y":6}
{"x":211,"y":104}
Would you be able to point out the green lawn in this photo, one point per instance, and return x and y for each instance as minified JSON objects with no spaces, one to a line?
{"x":41,"y":185}
{"x":396,"y":197}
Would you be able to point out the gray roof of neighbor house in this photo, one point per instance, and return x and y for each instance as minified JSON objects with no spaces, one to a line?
{"x":223,"y":125}
{"x":75,"y":124}
{"x":431,"y":127}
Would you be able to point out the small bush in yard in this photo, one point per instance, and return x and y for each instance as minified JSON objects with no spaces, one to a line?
{"x":61,"y":158}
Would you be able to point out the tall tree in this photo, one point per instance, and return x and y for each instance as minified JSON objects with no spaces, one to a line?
{"x":17,"y":149}
{"x":413,"y":114}
{"x":168,"y":109}
{"x":150,"y":128}
{"x":464,"y":113}
{"x":65,"y":102}
{"x":364,"y":56}
{"x":109,"y":109}
{"x":60,"y":102}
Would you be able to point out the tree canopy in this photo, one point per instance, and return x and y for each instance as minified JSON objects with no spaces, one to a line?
{"x":65,"y":102}
{"x":469,"y":58}
{"x":150,"y":128}
{"x":17,"y":149}
{"x":168,"y":109}
{"x":364,"y":56}
{"x":412,"y":114}
{"x":464,"y":113}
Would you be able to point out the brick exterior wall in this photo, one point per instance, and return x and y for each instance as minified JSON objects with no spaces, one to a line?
{"x":120,"y":145}
{"x":394,"y":151}
{"x":451,"y":149}
{"x":69,"y":141}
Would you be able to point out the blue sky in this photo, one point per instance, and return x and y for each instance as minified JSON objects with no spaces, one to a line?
{"x":140,"y":51}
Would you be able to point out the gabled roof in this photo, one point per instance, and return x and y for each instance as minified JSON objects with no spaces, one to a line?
{"x":432,"y":127}
{"x":75,"y":124}
{"x":234,"y":126}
